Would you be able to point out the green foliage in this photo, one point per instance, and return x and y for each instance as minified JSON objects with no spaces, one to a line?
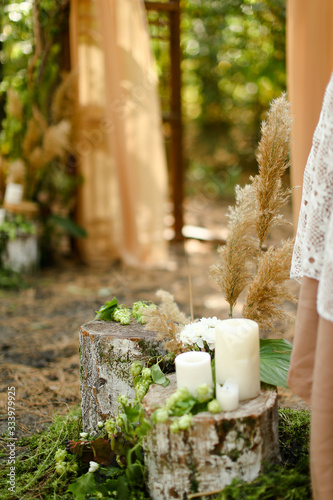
{"x":35,"y":467}
{"x":112,"y":311}
{"x":274,"y":361}
{"x":233,"y":66}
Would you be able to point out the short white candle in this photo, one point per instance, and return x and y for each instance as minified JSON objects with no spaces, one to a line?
{"x":13,"y":193}
{"x":228,"y":395}
{"x":193,"y":368}
{"x":237,"y":355}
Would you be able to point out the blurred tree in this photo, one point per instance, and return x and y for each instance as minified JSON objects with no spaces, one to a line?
{"x":233,"y":66}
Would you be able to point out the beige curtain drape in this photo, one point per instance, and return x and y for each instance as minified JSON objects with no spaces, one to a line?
{"x":309,"y":66}
{"x":118,"y":133}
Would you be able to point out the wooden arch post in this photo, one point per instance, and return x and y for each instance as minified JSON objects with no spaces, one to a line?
{"x":173,"y":115}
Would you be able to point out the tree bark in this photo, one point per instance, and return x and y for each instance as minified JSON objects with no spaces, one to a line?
{"x":107,"y":350}
{"x":214,"y":450}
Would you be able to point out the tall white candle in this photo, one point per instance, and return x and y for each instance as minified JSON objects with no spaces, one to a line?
{"x":228,"y":395}
{"x":193,"y":368}
{"x":237,"y":355}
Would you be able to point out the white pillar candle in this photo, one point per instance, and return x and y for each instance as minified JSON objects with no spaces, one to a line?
{"x":13,"y":193}
{"x":193,"y":368}
{"x":237,"y":355}
{"x":228,"y":395}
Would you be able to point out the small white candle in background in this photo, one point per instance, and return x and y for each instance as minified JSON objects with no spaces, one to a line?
{"x":13,"y":193}
{"x":237,"y":355}
{"x":2,"y":215}
{"x":193,"y":368}
{"x":228,"y":395}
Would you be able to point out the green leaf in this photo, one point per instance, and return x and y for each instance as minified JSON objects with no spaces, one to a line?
{"x":274,"y":361}
{"x":69,"y":226}
{"x":83,"y":486}
{"x":106,"y":311}
{"x":158,"y":376}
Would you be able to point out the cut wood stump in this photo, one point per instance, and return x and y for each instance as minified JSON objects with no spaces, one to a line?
{"x":107,"y":350}
{"x":214,"y":450}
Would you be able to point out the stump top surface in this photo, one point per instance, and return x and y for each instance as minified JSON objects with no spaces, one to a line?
{"x":157,"y":395}
{"x":132,"y":331}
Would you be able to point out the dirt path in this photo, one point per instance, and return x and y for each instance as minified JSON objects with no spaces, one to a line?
{"x":39,"y":325}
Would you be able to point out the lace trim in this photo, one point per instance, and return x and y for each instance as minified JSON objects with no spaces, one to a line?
{"x":313,"y":250}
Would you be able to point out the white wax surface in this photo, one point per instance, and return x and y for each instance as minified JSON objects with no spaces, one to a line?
{"x":228,"y":395}
{"x":13,"y":193}
{"x":193,"y":369}
{"x":237,"y":355}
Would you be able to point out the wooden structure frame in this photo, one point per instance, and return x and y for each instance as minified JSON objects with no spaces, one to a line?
{"x":174,"y":115}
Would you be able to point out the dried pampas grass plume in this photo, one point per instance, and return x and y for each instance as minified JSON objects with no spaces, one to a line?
{"x":167,"y":321}
{"x":232,"y":273}
{"x":16,"y":172}
{"x":14,"y":104}
{"x":273,"y":161}
{"x":33,"y":137}
{"x":269,"y":288}
{"x":64,"y":100}
{"x":57,"y":139}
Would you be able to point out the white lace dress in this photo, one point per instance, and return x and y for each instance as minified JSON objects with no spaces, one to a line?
{"x":313,"y":250}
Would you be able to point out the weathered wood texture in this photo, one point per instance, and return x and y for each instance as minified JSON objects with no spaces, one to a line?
{"x":107,"y":350}
{"x":216,"y":449}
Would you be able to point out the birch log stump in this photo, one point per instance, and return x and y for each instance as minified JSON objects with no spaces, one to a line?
{"x":214,"y":450}
{"x":107,"y":350}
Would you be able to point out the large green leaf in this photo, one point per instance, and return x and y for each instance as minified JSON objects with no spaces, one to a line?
{"x":274,"y":361}
{"x":69,"y":226}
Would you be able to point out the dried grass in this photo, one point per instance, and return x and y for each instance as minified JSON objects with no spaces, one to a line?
{"x":56,"y":141}
{"x":167,"y":321}
{"x":64,"y":100}
{"x":273,"y":161}
{"x":232,"y":274}
{"x":257,"y":210}
{"x":16,"y":172}
{"x":269,"y":289}
{"x":33,"y":137}
{"x":14,"y":104}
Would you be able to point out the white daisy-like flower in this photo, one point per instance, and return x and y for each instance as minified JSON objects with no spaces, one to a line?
{"x":199,"y":332}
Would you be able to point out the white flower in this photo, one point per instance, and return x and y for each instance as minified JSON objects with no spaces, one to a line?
{"x":100,"y":424}
{"x":199,"y":332}
{"x":93,"y":466}
{"x":83,"y":435}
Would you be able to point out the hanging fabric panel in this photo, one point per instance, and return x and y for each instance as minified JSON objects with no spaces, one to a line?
{"x":118,"y":133}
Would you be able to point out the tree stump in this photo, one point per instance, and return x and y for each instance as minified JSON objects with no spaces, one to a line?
{"x":107,"y":349}
{"x":214,"y":450}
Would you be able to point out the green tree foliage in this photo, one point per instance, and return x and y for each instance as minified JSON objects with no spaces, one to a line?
{"x":233,"y":66}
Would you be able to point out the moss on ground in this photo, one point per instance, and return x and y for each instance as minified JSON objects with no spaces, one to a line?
{"x":36,"y":477}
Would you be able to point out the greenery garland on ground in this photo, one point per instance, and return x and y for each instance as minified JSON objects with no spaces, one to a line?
{"x":45,"y":470}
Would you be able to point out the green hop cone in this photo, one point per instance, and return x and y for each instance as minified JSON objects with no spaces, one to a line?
{"x":214,"y":406}
{"x":146,"y":373}
{"x":119,"y":421}
{"x":161,"y":415}
{"x":136,"y":368}
{"x":185,"y":421}
{"x":204,"y":392}
{"x":110,"y":427}
{"x":122,"y":315}
{"x":61,"y":467}
{"x":123,"y":400}
{"x":174,"y":427}
{"x":60,"y":455}
{"x":140,"y":391}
